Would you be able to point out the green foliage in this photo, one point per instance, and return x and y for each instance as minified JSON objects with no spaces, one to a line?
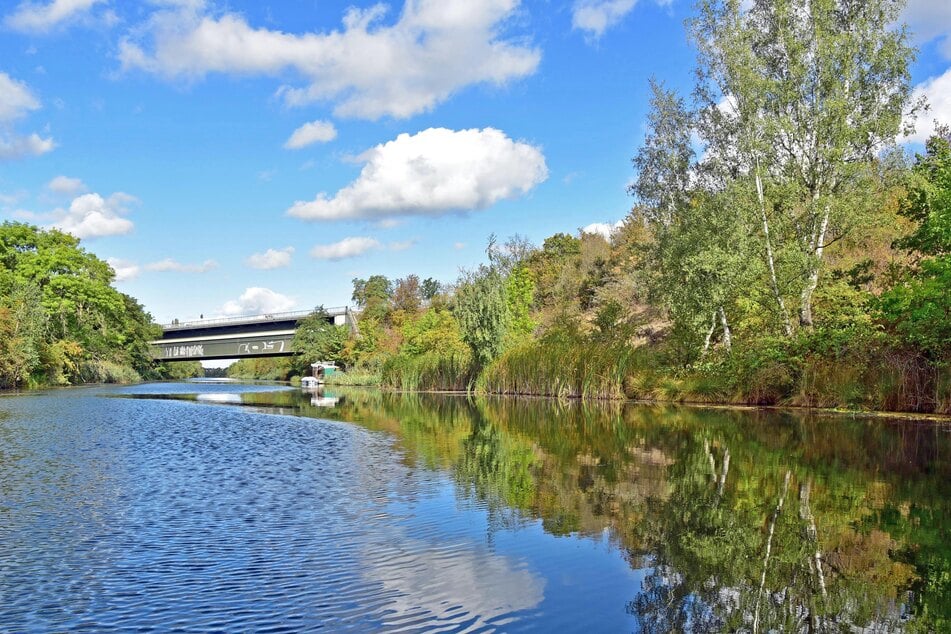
{"x":929,"y":198}
{"x":316,"y":339}
{"x":70,"y":323}
{"x":179,"y":370}
{"x":22,"y":325}
{"x":547,"y":265}
{"x":481,"y":308}
{"x":918,"y":307}
{"x":355,"y":378}
{"x":262,"y":369}
{"x":373,"y":296}
{"x":519,"y":294}
{"x":430,"y":371}
{"x":100,"y":371}
{"x":566,"y":367}
{"x":429,"y":288}
{"x":435,"y":330}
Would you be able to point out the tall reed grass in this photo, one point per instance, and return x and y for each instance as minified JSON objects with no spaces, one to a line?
{"x":566,"y":369}
{"x":428,"y":372}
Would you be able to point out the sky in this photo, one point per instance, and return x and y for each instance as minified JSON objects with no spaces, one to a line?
{"x":246,"y":157}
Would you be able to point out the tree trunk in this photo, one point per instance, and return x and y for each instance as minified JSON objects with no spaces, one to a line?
{"x":769,"y":547}
{"x":724,"y":470}
{"x":709,"y":337}
{"x":815,"y":261}
{"x":770,"y":260}
{"x":805,"y":513}
{"x":727,"y":336}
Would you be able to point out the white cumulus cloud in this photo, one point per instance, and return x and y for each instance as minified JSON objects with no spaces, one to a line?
{"x":125,"y":270}
{"x":937,"y":92}
{"x":14,"y":147}
{"x":929,"y":19}
{"x":310,"y":133}
{"x":603,"y":229}
{"x":369,"y":68}
{"x":346,"y":248}
{"x":41,"y":17}
{"x":128,"y":270}
{"x":433,"y":172}
{"x":170,"y":265}
{"x":271,"y":259}
{"x":92,"y":216}
{"x":595,"y":16}
{"x":16,"y":101}
{"x":66,"y":186}
{"x":257,"y":301}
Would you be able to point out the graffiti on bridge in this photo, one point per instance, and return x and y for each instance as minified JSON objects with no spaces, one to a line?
{"x":184,"y":351}
{"x":261,"y":347}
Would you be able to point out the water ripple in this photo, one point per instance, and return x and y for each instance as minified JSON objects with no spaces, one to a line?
{"x":120,"y":514}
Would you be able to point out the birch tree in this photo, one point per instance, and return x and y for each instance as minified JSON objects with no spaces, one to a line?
{"x":800,"y":97}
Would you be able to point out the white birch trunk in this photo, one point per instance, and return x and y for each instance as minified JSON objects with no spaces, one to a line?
{"x":727,"y":335}
{"x":770,"y":260}
{"x":805,"y":513}
{"x":709,"y":337}
{"x":769,"y":548}
{"x":815,"y":261}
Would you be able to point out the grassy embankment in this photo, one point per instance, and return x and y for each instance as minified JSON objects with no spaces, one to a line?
{"x":866,"y":375}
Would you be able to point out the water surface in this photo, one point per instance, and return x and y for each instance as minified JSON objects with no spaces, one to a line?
{"x":204,"y":506}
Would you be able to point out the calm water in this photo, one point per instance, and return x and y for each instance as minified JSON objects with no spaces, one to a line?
{"x":204,"y":506}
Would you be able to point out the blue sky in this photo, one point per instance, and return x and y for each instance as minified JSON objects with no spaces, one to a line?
{"x":242,"y":157}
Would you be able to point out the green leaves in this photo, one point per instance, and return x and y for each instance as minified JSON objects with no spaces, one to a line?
{"x":82,"y":316}
{"x":918,"y":308}
{"x":317,"y":339}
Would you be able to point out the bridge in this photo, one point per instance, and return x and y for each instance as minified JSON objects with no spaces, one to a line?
{"x":236,"y":337}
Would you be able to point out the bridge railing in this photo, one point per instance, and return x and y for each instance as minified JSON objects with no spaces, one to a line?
{"x":250,"y":319}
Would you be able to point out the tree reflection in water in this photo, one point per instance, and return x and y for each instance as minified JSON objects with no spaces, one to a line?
{"x":743,"y":520}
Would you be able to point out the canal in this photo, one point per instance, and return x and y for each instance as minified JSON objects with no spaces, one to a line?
{"x":205,"y":506}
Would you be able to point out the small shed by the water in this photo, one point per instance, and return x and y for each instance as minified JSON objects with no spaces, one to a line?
{"x":323,"y":369}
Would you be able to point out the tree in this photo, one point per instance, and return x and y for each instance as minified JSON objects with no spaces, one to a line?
{"x":317,"y":339}
{"x":433,"y":331}
{"x":800,"y":98}
{"x":22,"y":325}
{"x":548,"y":264}
{"x":407,"y":295}
{"x":519,"y":294}
{"x":86,"y":322}
{"x":919,"y":306}
{"x":430,"y":288}
{"x":481,"y":308}
{"x":373,"y":296}
{"x":664,"y":162}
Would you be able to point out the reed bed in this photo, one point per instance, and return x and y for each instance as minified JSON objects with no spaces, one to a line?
{"x":564,"y":369}
{"x":428,"y":372}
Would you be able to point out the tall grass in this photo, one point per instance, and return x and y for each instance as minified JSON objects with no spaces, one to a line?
{"x":354,"y":377}
{"x":868,"y":373}
{"x":844,"y":370}
{"x":107,"y":372}
{"x":562,"y":368}
{"x":428,"y":372}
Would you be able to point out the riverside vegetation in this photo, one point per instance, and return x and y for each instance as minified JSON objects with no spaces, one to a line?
{"x":782,"y":248}
{"x":61,"y":321}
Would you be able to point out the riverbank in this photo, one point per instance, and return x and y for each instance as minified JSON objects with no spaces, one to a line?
{"x":863,"y":376}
